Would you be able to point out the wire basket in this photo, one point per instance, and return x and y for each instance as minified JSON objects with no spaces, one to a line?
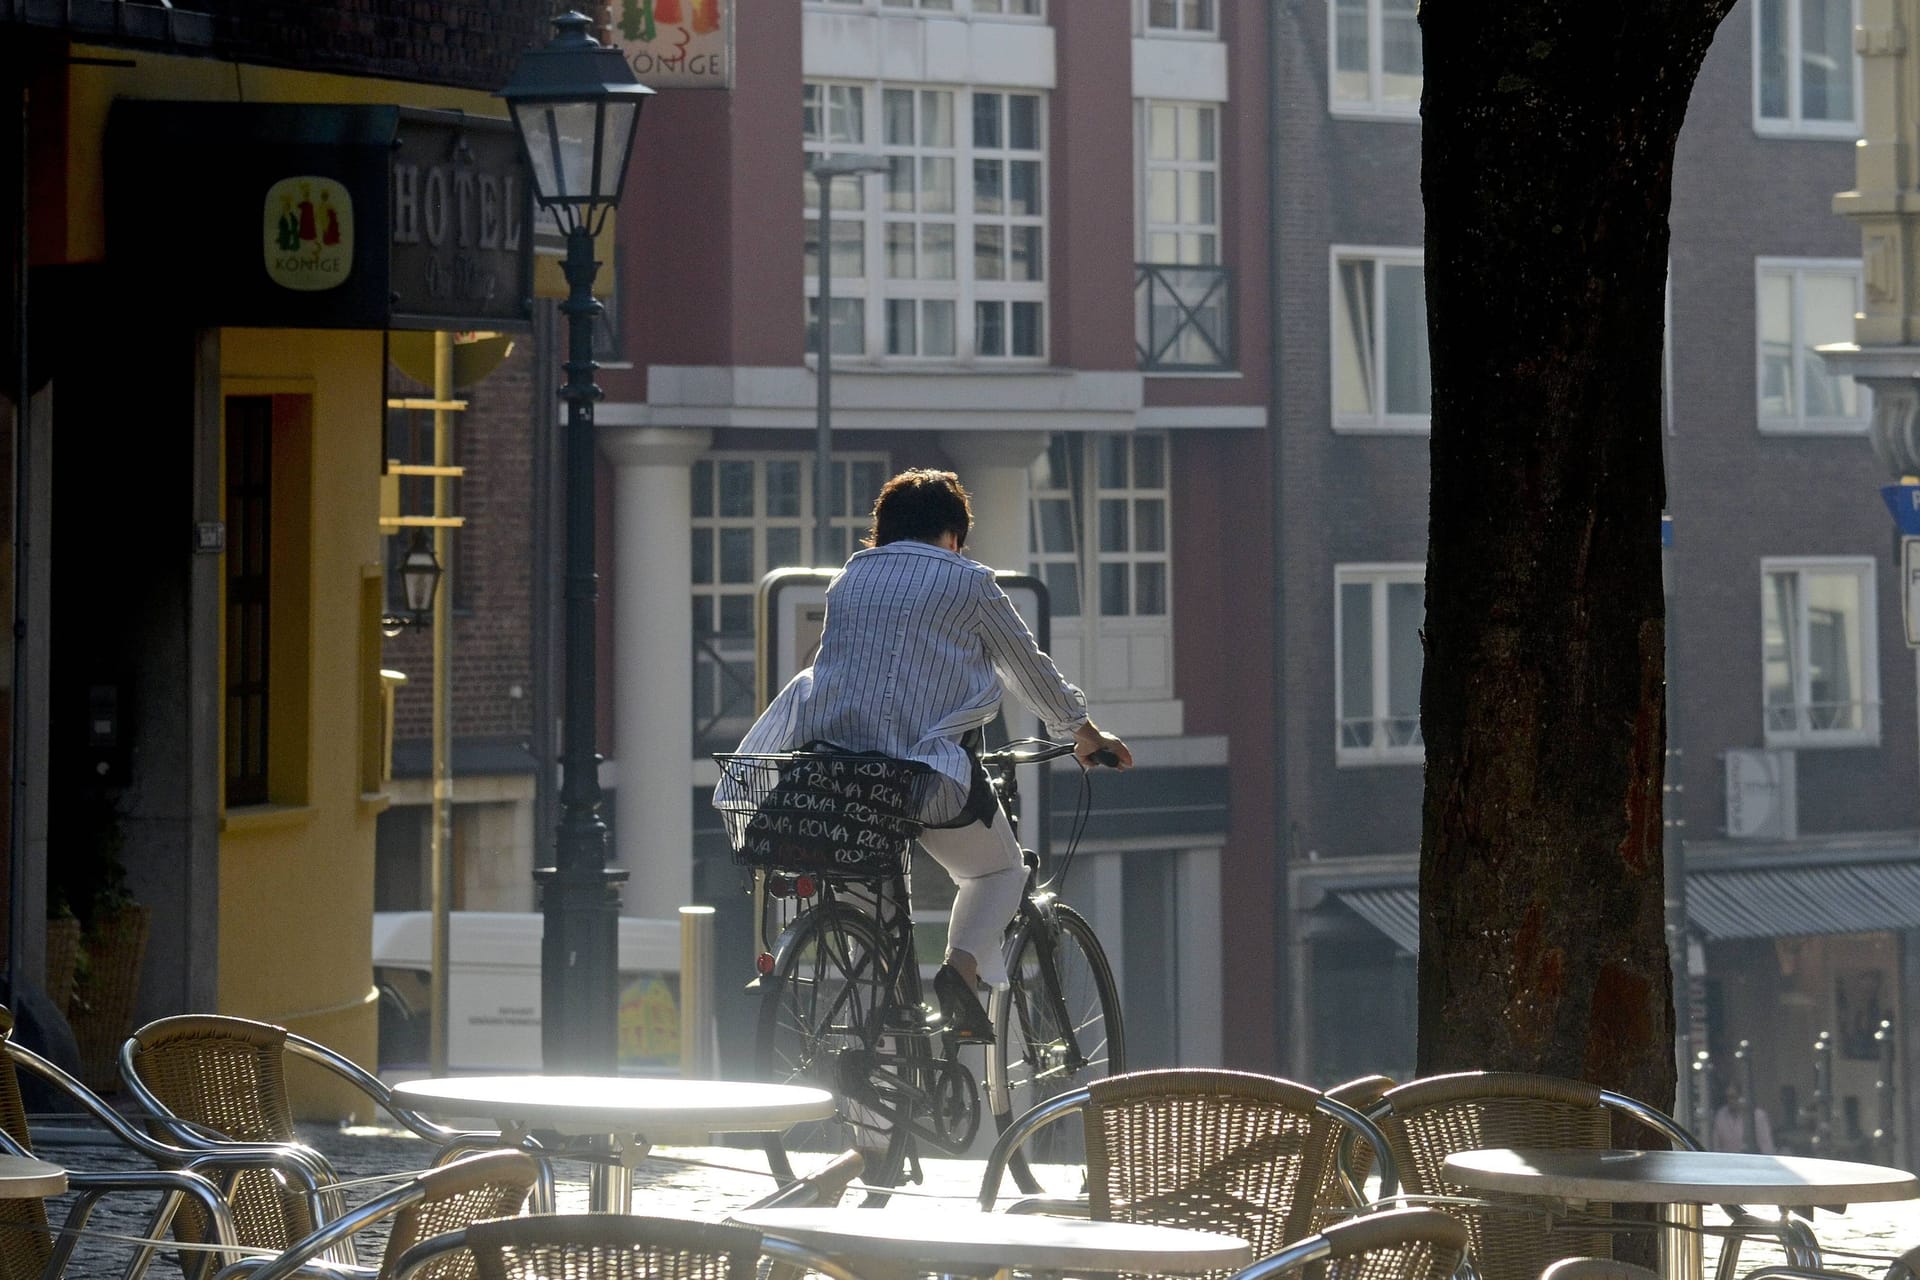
{"x":822,"y":812}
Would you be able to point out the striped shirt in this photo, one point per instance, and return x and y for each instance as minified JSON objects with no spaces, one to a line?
{"x":917,"y":645}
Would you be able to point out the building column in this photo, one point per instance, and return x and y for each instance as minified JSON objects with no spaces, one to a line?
{"x":652,"y":663}
{"x":994,"y":466}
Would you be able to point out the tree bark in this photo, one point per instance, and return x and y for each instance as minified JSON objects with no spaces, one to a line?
{"x":1548,"y":144}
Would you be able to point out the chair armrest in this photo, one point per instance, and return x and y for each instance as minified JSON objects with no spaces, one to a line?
{"x":300,"y":1256}
{"x":1036,"y":1118}
{"x":1059,"y":1207}
{"x":376,"y":1088}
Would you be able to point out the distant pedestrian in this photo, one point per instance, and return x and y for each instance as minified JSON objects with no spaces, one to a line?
{"x":1730,"y":1132}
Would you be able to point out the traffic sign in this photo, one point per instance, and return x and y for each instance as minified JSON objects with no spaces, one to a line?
{"x":1903,"y":500}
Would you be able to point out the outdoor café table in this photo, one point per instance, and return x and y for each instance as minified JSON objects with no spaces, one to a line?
{"x":901,"y":1241}
{"x":1680,"y":1182}
{"x":24,"y":1178}
{"x":623,"y":1115}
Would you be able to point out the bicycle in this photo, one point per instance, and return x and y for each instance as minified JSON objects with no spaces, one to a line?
{"x":841,"y":1002}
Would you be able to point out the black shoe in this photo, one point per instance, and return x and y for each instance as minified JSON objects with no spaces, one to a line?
{"x":967,"y":1020}
{"x":918,"y":1018}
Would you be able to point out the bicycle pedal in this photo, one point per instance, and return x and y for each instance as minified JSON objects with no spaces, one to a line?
{"x":920,"y":1019}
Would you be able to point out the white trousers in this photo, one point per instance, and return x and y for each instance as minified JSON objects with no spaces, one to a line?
{"x":989,"y":875}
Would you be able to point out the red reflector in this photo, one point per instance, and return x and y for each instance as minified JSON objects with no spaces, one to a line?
{"x":804,"y":886}
{"x":764,"y":963}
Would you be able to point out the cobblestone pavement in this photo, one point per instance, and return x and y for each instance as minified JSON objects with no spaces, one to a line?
{"x":707,"y":1182}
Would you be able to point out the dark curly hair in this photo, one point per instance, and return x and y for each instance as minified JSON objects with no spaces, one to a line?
{"x":919,"y":505}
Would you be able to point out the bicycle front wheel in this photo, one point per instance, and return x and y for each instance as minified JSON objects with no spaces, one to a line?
{"x":1056,"y":1027}
{"x":821,"y":1024}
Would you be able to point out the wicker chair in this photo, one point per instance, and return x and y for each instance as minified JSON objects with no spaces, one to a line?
{"x":1225,"y":1151}
{"x":207,"y":1081}
{"x":1427,"y":1120}
{"x":608,"y":1246}
{"x":493,"y":1184}
{"x":28,"y":1249}
{"x":1398,"y":1244}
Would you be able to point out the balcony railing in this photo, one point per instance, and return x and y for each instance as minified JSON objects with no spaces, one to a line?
{"x":1182,"y":322}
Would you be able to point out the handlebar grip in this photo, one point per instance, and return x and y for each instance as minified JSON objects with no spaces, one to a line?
{"x":1105,"y":757}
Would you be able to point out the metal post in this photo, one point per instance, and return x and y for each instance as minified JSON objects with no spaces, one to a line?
{"x":22,"y":574}
{"x":823,"y":388}
{"x":1823,"y":1094}
{"x":440,"y":814}
{"x":1749,"y":1127}
{"x":1883,"y":1096}
{"x":579,"y":949}
{"x":697,"y":1057}
{"x":1700,"y":1095}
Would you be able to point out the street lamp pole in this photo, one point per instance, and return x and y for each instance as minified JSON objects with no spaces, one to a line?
{"x":575,"y":103}
{"x":824,"y":171}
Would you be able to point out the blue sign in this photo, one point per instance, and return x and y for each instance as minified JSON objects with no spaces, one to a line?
{"x":1904,"y":501}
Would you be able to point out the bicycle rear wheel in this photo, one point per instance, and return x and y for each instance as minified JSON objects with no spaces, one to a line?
{"x":820,"y":1025}
{"x":1060,"y":980}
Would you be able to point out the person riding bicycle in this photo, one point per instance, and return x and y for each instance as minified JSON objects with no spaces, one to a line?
{"x":918,"y":643}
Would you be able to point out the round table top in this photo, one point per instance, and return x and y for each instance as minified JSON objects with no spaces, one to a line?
{"x":23,"y":1178}
{"x":1679,"y":1177}
{"x":660,"y":1109}
{"x":967,"y":1239}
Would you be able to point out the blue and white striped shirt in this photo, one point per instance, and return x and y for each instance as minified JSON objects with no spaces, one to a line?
{"x":917,"y":645}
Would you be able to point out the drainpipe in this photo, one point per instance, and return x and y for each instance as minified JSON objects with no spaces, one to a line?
{"x":1292,"y":957}
{"x":22,"y":559}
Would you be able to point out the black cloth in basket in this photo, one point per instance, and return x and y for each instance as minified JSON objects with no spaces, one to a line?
{"x":821,"y":811}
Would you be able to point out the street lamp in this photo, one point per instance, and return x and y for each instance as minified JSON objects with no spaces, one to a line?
{"x":574,"y":105}
{"x":420,"y":580}
{"x":824,"y":171}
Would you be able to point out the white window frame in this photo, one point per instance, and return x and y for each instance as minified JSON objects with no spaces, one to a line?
{"x":1865,"y":570}
{"x":1080,"y":636}
{"x":875,"y":289}
{"x":1380,"y":750}
{"x":1376,"y":105}
{"x":1379,"y":421}
{"x":1150,"y":164}
{"x":1796,"y":270}
{"x":1209,"y":29}
{"x":1792,"y":125}
{"x":741,"y":647}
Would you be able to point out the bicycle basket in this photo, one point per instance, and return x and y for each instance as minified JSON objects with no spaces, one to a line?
{"x":832,"y":813}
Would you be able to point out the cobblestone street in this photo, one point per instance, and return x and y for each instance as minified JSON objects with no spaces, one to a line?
{"x":707,"y":1182}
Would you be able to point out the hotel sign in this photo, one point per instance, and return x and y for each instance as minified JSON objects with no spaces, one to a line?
{"x":323,"y":216}
{"x":676,"y":44}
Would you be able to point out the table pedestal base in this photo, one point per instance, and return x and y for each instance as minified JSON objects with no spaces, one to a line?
{"x":1682,"y":1245}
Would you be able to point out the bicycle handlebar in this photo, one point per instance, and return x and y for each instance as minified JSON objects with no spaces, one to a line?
{"x":1039,"y":751}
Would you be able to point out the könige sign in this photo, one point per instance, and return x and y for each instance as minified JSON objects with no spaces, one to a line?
{"x":677,"y":44}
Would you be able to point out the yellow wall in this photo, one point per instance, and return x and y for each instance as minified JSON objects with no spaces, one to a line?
{"x":296,"y":875}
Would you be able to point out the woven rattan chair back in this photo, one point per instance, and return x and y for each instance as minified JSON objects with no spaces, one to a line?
{"x":1225,"y":1151}
{"x":227,"y":1073}
{"x":493,"y":1185}
{"x":25,"y":1245}
{"x":605,"y":1246}
{"x":1425,"y":1121}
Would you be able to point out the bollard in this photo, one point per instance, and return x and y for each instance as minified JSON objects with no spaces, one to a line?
{"x":1823,"y":1094}
{"x":1883,"y":1140}
{"x":1743,"y":1065}
{"x":699,"y":1054}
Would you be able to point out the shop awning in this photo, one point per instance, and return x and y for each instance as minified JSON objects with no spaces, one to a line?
{"x":1394,"y":912}
{"x":1748,"y":902}
{"x":1785,"y":902}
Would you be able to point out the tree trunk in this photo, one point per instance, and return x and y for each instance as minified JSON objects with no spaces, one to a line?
{"x":1547,"y":163}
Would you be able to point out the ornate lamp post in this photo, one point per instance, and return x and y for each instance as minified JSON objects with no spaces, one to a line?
{"x":575,"y":104}
{"x":420,"y":579}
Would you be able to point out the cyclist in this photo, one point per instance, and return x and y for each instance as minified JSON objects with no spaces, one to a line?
{"x":918,"y":643}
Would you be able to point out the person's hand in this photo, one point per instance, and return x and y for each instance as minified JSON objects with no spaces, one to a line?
{"x":1089,"y":739}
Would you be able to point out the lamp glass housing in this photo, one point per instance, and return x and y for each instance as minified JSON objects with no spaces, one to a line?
{"x":575,"y":104}
{"x":420,"y":576}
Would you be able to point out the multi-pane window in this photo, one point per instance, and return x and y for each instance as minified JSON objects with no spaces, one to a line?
{"x":1022,"y":8}
{"x":949,"y":262}
{"x":1376,"y":57}
{"x":1378,"y":612}
{"x":1180,"y":15}
{"x":249,"y":581}
{"x":1805,"y":74}
{"x":1180,"y":294}
{"x":1380,"y":374}
{"x":752,"y":514}
{"x":1821,"y":665}
{"x":1107,"y":493}
{"x":1803,"y":305}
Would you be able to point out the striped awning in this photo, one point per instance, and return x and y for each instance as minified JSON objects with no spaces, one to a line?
{"x":1748,"y":902}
